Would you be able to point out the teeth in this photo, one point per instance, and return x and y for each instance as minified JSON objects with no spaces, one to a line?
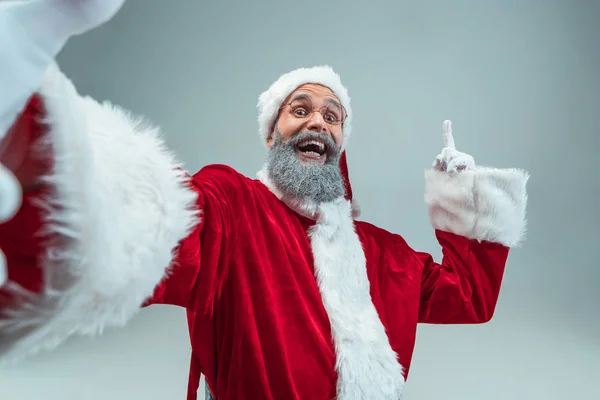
{"x":321,"y":145}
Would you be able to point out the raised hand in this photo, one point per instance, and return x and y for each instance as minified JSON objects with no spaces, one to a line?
{"x":450,"y":159}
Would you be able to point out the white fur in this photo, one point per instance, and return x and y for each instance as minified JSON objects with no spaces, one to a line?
{"x":366,"y":364}
{"x":481,"y":203}
{"x":119,"y":208}
{"x":271,"y":100}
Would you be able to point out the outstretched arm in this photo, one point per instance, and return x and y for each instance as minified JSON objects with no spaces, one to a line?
{"x":478,"y":214}
{"x":89,"y":247}
{"x":32,"y":33}
{"x":110,"y":223}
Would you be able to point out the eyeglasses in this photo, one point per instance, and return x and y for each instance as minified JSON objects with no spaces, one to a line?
{"x":302,"y":107}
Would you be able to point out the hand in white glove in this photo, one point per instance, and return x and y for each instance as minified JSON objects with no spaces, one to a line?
{"x":450,"y":159}
{"x":74,"y":17}
{"x":10,"y":201}
{"x":32,"y":33}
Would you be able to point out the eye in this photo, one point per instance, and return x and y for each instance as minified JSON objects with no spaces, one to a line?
{"x":332,"y":114}
{"x":300,"y":112}
{"x":331,"y":118}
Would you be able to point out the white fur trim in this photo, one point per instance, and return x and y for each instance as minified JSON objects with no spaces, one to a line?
{"x":367,"y":366}
{"x":270,"y":101}
{"x":483,"y":204}
{"x":119,"y":206}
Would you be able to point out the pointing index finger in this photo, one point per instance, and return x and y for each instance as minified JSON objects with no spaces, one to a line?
{"x":447,"y":133}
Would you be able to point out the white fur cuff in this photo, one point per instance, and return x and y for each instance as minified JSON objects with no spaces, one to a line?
{"x":483,"y":204}
{"x":119,"y":206}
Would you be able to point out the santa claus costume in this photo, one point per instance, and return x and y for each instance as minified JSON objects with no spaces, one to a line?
{"x":285,"y":298}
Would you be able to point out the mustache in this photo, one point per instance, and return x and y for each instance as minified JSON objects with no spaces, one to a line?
{"x":330,"y":146}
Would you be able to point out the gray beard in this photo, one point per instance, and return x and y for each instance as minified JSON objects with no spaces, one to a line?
{"x":316,"y":182}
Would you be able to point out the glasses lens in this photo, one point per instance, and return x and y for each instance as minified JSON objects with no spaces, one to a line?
{"x":301,"y":107}
{"x":333,"y":114}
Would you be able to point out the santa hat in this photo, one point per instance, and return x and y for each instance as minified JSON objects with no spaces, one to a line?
{"x":270,"y":101}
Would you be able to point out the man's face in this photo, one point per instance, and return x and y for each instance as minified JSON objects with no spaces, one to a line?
{"x":311,"y":108}
{"x":305,"y":147}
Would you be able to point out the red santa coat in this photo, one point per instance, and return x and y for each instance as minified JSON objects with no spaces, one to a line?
{"x":285,"y":299}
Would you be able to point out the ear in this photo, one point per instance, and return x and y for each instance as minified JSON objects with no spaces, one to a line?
{"x":270,"y":138}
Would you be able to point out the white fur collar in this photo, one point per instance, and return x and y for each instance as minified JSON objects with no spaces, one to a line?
{"x":367,"y":366}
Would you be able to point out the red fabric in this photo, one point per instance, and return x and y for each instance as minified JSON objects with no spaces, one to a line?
{"x":345,"y":175}
{"x":16,"y":148}
{"x":257,"y":324}
{"x":22,"y":245}
{"x":19,"y":237}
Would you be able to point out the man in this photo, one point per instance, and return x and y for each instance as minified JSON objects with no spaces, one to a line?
{"x":288,"y":296}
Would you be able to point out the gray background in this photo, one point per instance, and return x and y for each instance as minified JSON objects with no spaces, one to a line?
{"x":520,"y":81}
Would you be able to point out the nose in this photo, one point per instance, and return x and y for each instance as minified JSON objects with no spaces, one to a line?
{"x":316,"y":123}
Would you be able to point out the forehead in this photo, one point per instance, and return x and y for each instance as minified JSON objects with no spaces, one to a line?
{"x":315,"y":91}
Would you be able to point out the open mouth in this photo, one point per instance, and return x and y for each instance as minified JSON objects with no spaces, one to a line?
{"x":312,"y":150}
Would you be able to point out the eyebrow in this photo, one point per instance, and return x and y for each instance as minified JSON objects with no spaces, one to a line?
{"x":300,"y":96}
{"x":335,"y":103}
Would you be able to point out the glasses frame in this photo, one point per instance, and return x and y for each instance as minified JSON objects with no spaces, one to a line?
{"x":344,"y":112}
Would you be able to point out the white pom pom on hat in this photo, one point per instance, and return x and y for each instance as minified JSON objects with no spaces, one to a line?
{"x":270,"y":100}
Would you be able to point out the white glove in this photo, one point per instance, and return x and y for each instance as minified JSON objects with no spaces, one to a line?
{"x":80,"y":16}
{"x":10,"y":194}
{"x":10,"y":201}
{"x":450,"y":159}
{"x":32,"y":33}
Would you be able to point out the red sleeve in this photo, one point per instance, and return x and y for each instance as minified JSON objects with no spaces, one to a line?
{"x":464,"y":287}
{"x":200,"y":266}
{"x":117,"y":216}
